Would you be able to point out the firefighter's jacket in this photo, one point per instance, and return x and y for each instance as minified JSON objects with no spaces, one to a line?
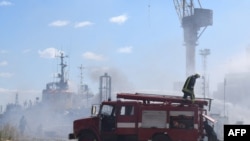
{"x":189,"y":85}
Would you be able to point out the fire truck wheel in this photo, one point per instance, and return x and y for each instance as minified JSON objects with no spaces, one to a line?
{"x":87,"y":137}
{"x":161,"y":137}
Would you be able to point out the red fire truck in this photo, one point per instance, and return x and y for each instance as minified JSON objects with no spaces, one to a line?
{"x":144,"y":117}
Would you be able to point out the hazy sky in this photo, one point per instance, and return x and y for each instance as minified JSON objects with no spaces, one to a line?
{"x":140,"y":43}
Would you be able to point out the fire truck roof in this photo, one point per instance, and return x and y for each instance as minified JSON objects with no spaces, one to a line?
{"x":161,"y":98}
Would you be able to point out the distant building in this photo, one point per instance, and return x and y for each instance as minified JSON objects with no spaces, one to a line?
{"x":234,"y":89}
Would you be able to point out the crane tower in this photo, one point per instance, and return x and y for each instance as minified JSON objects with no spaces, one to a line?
{"x":192,"y":20}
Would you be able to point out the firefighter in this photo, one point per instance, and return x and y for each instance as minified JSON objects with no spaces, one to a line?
{"x":188,"y":88}
{"x":211,"y":135}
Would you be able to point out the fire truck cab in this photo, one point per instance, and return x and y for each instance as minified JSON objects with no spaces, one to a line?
{"x":144,"y":117}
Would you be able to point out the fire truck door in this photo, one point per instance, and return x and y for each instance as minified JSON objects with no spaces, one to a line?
{"x":108,"y":122}
{"x":126,"y":119}
{"x":108,"y":118}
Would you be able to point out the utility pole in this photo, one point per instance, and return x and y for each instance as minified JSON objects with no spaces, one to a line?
{"x":83,"y":88}
{"x":225,"y":82}
{"x":16,"y":99}
{"x":81,"y":76}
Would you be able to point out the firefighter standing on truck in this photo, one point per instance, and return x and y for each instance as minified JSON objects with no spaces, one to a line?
{"x":188,"y":88}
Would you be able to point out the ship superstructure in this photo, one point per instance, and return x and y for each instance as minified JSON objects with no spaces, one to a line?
{"x":58,"y":93}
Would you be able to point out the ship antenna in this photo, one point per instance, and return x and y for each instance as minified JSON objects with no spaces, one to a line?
{"x":63,"y":66}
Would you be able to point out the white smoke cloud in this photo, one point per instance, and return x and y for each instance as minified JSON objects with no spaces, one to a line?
{"x":237,"y":63}
{"x":5,"y":91}
{"x":234,"y":112}
{"x":233,"y":98}
{"x":120,"y":81}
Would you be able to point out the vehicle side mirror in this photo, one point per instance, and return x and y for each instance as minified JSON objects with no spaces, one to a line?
{"x":94,"y":110}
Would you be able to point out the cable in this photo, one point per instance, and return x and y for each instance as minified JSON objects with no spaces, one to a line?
{"x":149,"y":6}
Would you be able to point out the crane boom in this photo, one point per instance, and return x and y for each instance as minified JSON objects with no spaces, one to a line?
{"x":184,"y":8}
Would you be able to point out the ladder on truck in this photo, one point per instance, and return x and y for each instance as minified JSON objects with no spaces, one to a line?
{"x":147,"y":98}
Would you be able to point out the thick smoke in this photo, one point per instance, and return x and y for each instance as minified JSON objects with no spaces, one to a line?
{"x":232,"y":85}
{"x":119,"y":81}
{"x":43,"y":120}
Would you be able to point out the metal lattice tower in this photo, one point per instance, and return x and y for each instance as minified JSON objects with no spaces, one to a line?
{"x":105,"y":87}
{"x":83,"y":88}
{"x":204,"y":53}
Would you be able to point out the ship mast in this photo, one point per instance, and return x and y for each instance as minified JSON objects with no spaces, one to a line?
{"x":62,"y":82}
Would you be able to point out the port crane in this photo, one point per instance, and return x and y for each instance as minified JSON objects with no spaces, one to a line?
{"x":192,"y":20}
